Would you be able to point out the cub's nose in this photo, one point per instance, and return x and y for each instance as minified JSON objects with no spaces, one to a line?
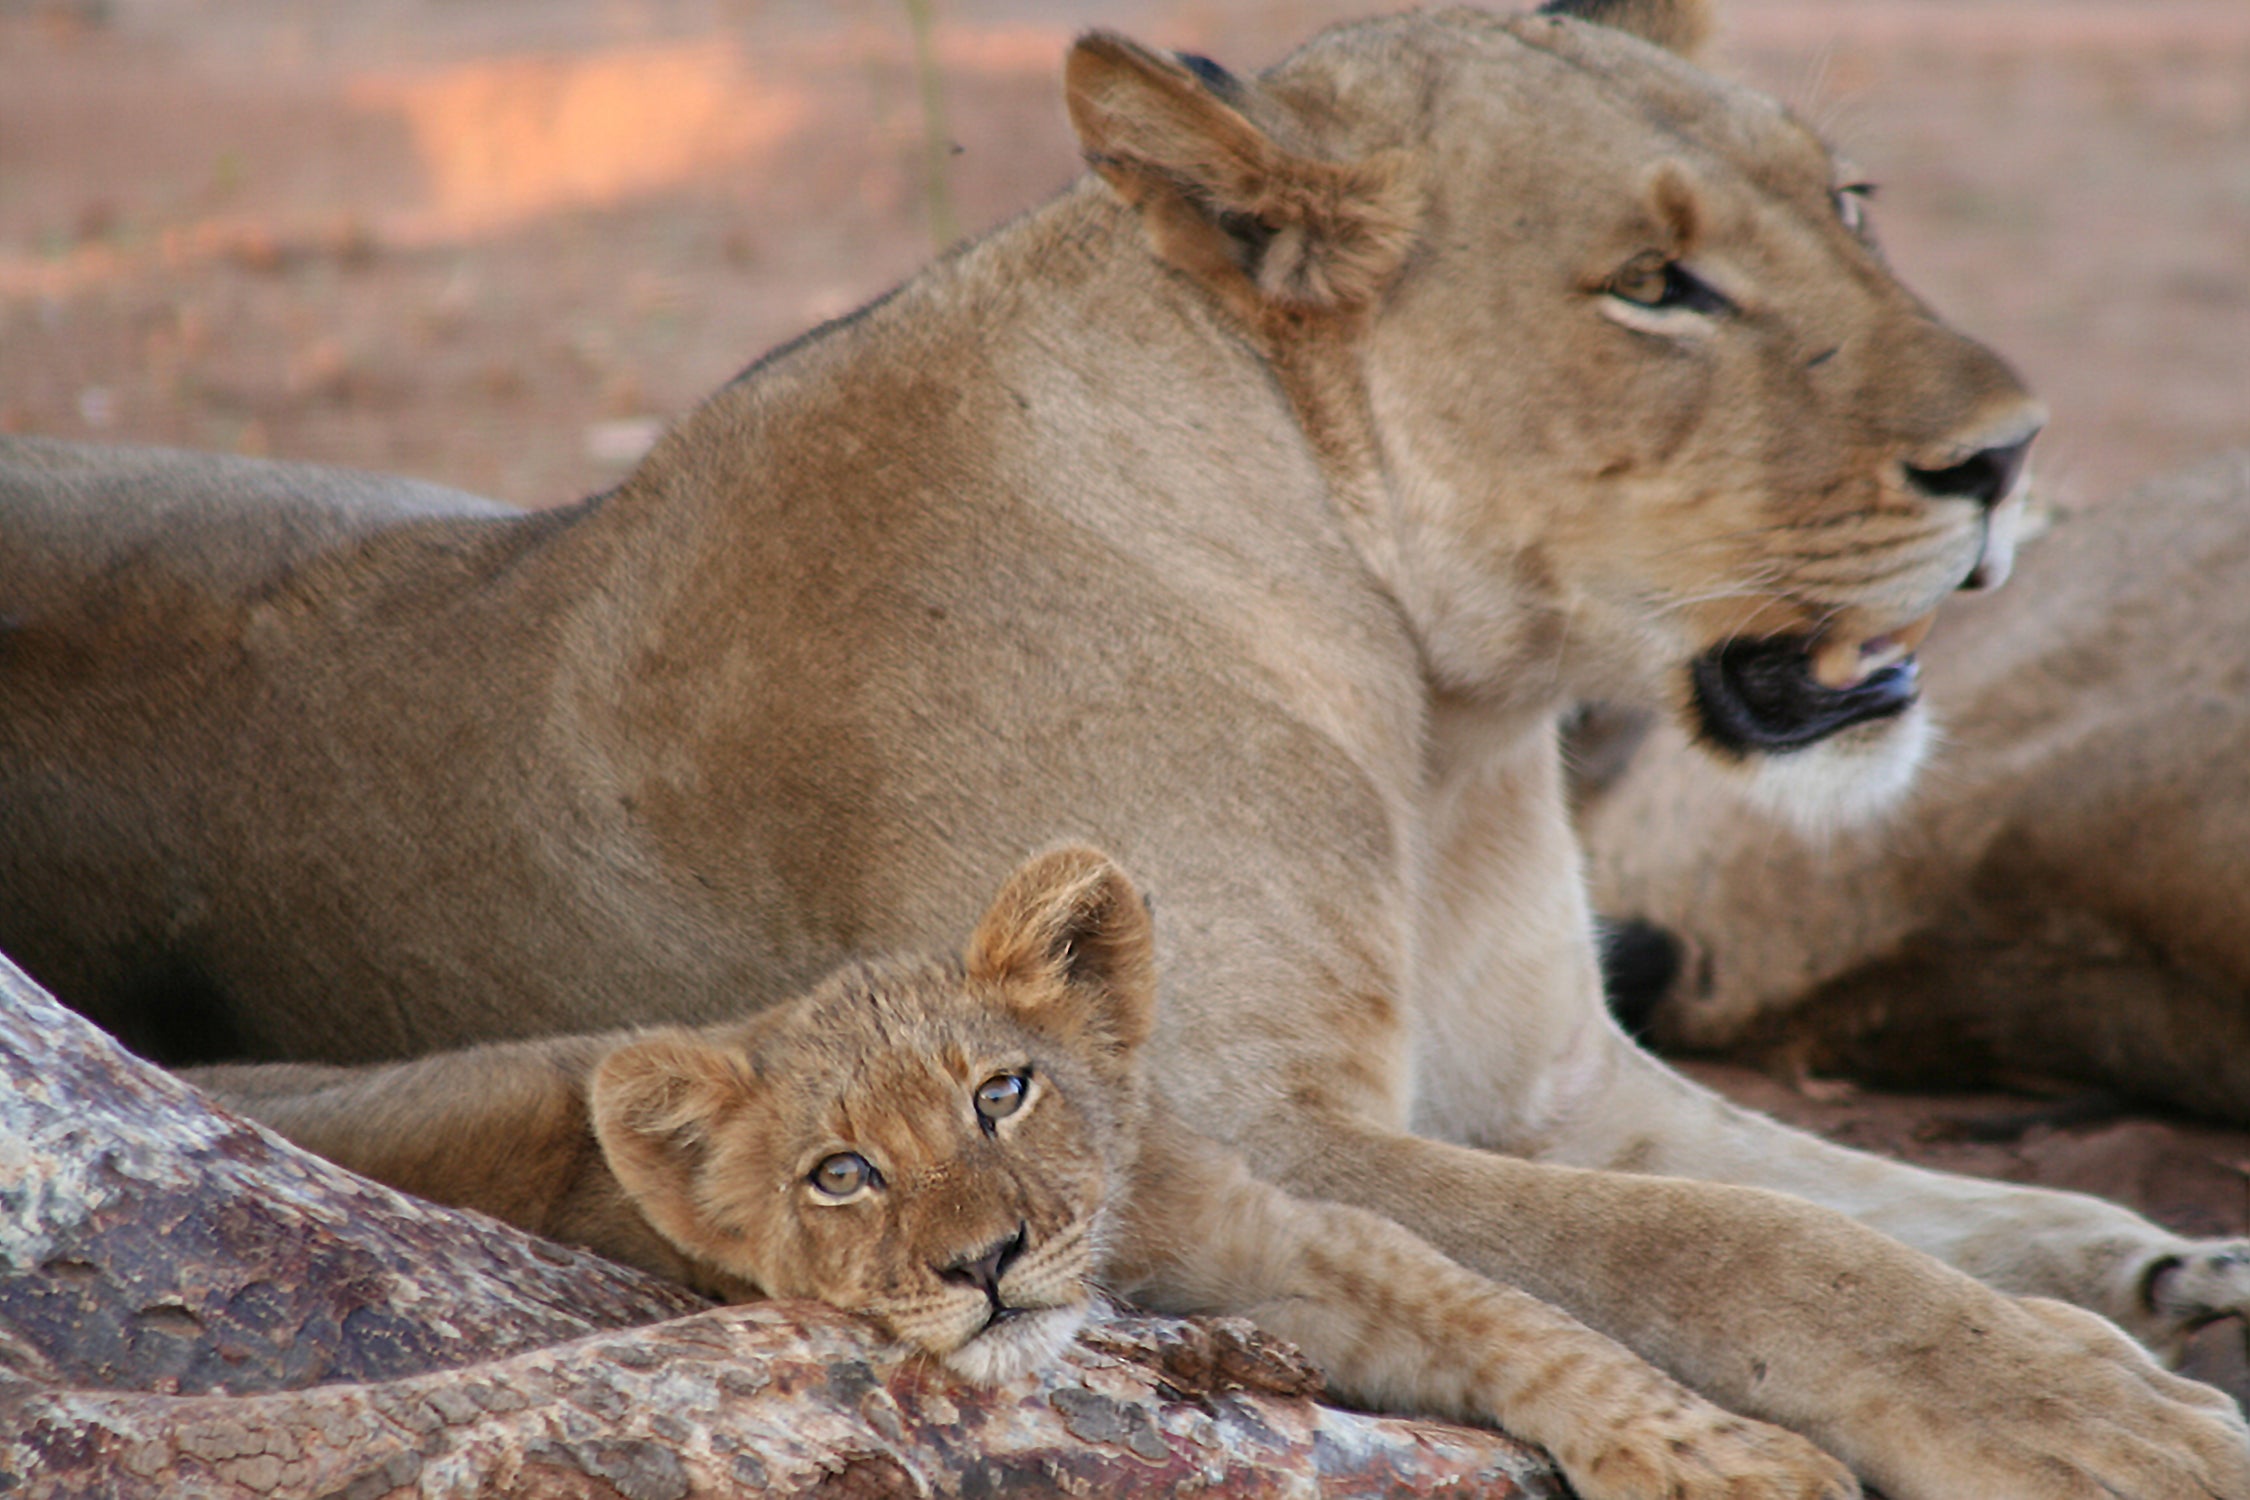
{"x":983,"y":1269}
{"x":1987,"y":476}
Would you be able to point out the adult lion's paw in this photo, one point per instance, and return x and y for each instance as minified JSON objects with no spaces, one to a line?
{"x":2046,"y":1401}
{"x":2103,"y":1339}
{"x":1697,"y":1451}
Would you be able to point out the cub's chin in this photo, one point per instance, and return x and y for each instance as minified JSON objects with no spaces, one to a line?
{"x":1819,"y":757}
{"x":1025,"y":1340}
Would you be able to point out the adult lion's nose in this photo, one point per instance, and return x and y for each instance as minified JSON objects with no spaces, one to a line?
{"x":1987,"y":476}
{"x":1992,"y":479}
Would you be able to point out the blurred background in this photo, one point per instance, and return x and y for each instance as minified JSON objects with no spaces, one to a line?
{"x":497,"y":242}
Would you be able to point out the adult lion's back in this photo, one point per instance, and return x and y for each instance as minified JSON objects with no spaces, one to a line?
{"x":80,"y":519}
{"x":169,"y":632}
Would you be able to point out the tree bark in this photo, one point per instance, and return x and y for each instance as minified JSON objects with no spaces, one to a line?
{"x":190,"y":1306}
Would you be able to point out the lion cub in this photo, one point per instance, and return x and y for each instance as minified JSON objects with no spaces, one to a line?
{"x":966,"y":1152}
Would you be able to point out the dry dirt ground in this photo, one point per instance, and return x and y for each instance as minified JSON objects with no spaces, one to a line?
{"x":495,"y":244}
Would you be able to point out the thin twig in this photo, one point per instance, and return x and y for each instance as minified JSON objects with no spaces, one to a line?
{"x":937,"y":139}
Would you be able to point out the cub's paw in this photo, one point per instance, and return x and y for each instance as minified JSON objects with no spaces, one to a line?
{"x":2046,"y":1401}
{"x":1697,"y":1451}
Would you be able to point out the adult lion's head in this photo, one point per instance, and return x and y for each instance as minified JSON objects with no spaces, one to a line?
{"x":1605,"y":362}
{"x":934,"y":1145}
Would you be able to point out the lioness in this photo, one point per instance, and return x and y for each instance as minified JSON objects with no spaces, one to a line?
{"x":2065,"y":901}
{"x":1252,"y":511}
{"x":964,"y":1151}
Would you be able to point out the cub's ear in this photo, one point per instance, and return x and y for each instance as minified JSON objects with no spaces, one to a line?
{"x":657,"y":1104}
{"x":1682,"y":26}
{"x":1221,"y":199}
{"x":1069,"y":944}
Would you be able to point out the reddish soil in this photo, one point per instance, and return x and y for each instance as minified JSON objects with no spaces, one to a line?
{"x":490,"y":243}
{"x":494,"y":244}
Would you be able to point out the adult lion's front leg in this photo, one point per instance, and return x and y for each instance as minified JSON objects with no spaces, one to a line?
{"x":1924,"y":1379}
{"x":2035,"y":1242}
{"x":1545,"y":1073}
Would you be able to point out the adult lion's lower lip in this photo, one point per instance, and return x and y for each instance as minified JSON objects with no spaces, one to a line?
{"x":1763,"y":696}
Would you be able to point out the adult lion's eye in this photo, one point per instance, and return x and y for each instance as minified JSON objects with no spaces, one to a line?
{"x":1663,"y":285}
{"x":1000,"y":1096}
{"x":842,"y":1175}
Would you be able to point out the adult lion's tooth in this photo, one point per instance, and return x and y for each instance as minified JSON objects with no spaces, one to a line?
{"x":1847,"y":661}
{"x":1838,"y":663}
{"x":1880,"y":652}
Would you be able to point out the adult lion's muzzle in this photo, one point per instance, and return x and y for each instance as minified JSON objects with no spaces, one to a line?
{"x":1786,"y":692}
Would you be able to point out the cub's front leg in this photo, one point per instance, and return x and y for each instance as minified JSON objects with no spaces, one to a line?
{"x":1393,"y":1323}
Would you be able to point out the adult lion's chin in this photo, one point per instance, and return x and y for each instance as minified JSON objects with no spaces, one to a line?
{"x":1822,"y":757}
{"x":1023,"y":1340}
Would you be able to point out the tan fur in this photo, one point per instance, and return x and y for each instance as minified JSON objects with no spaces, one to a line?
{"x":2063,"y":899}
{"x":1253,"y":510}
{"x":691,"y":1152}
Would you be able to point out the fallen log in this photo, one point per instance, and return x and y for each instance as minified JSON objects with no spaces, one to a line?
{"x":190,"y":1306}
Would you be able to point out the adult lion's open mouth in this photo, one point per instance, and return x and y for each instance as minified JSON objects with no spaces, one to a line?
{"x":1787,"y":692}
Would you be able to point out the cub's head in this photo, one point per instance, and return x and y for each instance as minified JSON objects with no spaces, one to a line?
{"x":1615,"y":391}
{"x":930,"y":1144}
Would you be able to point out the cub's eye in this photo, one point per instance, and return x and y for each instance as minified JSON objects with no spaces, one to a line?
{"x":842,"y":1175}
{"x":1000,"y":1096}
{"x":1665,"y":285}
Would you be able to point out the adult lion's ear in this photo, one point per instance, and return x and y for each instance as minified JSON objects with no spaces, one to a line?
{"x":1069,"y":945}
{"x":1221,"y":199}
{"x":1682,"y":26}
{"x":657,"y":1103}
